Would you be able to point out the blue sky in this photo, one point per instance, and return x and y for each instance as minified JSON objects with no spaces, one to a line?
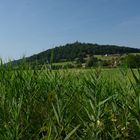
{"x":31,"y":26}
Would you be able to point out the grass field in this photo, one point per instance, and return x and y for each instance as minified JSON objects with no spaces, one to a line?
{"x":92,"y":104}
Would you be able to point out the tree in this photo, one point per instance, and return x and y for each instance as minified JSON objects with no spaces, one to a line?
{"x":91,"y":61}
{"x":131,"y":61}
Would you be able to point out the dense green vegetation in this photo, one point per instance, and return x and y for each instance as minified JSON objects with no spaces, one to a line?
{"x":69,"y":104}
{"x":132,"y":61}
{"x":83,"y":55}
{"x":77,"y":50}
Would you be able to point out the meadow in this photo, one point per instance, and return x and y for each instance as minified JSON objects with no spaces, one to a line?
{"x":90,"y":104}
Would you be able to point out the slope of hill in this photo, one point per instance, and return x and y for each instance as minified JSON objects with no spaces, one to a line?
{"x":69,"y":52}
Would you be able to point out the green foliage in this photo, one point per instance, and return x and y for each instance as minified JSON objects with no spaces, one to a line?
{"x":91,"y":61}
{"x":69,"y":105}
{"x":132,"y":61}
{"x":70,"y":52}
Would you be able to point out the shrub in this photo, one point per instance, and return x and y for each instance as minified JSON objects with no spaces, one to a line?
{"x":91,"y":61}
{"x":131,"y":61}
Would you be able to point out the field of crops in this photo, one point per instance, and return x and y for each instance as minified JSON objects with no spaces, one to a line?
{"x":70,"y":104}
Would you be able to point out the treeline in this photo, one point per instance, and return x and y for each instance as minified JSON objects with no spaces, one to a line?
{"x":70,"y":52}
{"x":130,"y":61}
{"x":82,"y":55}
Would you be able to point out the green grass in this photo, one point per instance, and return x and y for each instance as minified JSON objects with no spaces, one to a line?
{"x":63,"y":63}
{"x":113,"y":56}
{"x":92,"y":104}
{"x":102,"y":57}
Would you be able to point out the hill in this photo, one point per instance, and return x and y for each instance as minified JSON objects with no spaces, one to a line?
{"x":70,"y":52}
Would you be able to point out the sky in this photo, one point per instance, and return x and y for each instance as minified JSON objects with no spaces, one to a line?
{"x":28,"y":27}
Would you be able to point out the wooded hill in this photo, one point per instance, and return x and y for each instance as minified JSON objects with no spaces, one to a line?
{"x":69,"y":52}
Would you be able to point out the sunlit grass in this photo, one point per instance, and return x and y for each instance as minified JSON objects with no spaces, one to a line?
{"x":69,"y":104}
